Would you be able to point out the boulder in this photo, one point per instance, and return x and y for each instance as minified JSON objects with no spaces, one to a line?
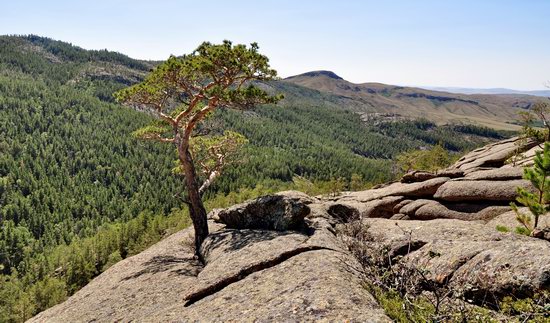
{"x":452,"y":173}
{"x":417,"y":176}
{"x":503,"y":268}
{"x":390,"y":232}
{"x":482,"y":190}
{"x":525,"y":159}
{"x":418,"y":190}
{"x":471,"y":257}
{"x":465,"y":212}
{"x":497,"y":174}
{"x":398,"y":206}
{"x":492,"y":155}
{"x":508,"y":219}
{"x":430,"y":209}
{"x":411,"y":207}
{"x":441,"y":258}
{"x":346,"y":211}
{"x":477,"y":169}
{"x":381,"y":208}
{"x":421,"y":176}
{"x":282,"y":211}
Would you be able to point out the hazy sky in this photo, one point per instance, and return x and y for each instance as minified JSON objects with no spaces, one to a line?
{"x":482,"y":43}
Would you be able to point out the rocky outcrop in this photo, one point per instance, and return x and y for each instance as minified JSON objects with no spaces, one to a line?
{"x":430,"y":210}
{"x":282,"y":257}
{"x":493,"y":155}
{"x":478,"y":187}
{"x":508,"y":219}
{"x":282,"y":211}
{"x":472,"y":257}
{"x":497,"y":174}
{"x":416,"y":190}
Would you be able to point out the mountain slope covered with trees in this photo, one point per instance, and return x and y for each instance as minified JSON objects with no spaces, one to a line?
{"x":78,"y":192}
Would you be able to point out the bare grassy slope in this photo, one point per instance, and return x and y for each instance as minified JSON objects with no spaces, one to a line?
{"x":496,"y":111}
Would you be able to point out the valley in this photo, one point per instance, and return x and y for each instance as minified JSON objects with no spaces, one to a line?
{"x":78,"y":193}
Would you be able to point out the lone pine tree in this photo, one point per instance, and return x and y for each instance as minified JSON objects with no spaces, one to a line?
{"x":182,"y":92}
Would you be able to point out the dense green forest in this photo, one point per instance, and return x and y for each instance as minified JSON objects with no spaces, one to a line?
{"x":78,"y":193}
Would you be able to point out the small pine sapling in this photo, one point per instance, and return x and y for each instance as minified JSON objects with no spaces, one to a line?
{"x":536,"y":201}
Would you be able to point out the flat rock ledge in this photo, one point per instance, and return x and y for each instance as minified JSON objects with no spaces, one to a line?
{"x":280,"y":258}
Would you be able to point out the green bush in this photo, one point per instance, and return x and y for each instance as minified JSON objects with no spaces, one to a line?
{"x":502,"y":228}
{"x":427,"y":160}
{"x":537,"y":201}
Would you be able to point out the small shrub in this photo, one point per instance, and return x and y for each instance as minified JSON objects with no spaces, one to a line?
{"x":523,"y":230}
{"x":535,"y":309}
{"x":336,"y":186}
{"x":502,"y":228}
{"x":537,"y":201}
{"x":427,"y":160}
{"x":356,"y":183}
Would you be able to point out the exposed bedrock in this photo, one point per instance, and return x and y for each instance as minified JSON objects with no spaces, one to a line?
{"x":479,"y":186}
{"x":281,"y":257}
{"x":472,"y":257}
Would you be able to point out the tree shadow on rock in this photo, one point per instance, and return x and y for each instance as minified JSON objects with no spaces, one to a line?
{"x":235,"y":239}
{"x":186,"y":266}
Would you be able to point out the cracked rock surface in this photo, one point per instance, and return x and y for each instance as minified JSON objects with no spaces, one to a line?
{"x":250,"y":275}
{"x":278,"y":257}
{"x":470,"y":256}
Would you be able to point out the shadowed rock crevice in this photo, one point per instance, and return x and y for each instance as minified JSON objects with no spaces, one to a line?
{"x":406,"y":248}
{"x":244,"y":272}
{"x":343,"y":213}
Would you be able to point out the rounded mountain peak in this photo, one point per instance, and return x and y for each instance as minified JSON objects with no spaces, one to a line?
{"x":330,"y":74}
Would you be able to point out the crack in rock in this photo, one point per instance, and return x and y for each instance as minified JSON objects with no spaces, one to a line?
{"x":460,"y":264}
{"x":244,"y":272}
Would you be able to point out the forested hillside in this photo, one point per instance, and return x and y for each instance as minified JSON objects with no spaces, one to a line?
{"x":78,"y":193}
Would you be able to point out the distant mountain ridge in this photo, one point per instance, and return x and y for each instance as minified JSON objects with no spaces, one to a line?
{"x":463,"y":90}
{"x":375,"y":99}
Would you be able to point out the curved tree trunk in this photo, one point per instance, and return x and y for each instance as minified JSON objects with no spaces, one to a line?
{"x":196,"y":207}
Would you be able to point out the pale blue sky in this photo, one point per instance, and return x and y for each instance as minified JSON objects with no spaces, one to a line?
{"x":483,"y":43}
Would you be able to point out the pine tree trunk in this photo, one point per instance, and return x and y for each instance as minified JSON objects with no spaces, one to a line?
{"x":196,"y":207}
